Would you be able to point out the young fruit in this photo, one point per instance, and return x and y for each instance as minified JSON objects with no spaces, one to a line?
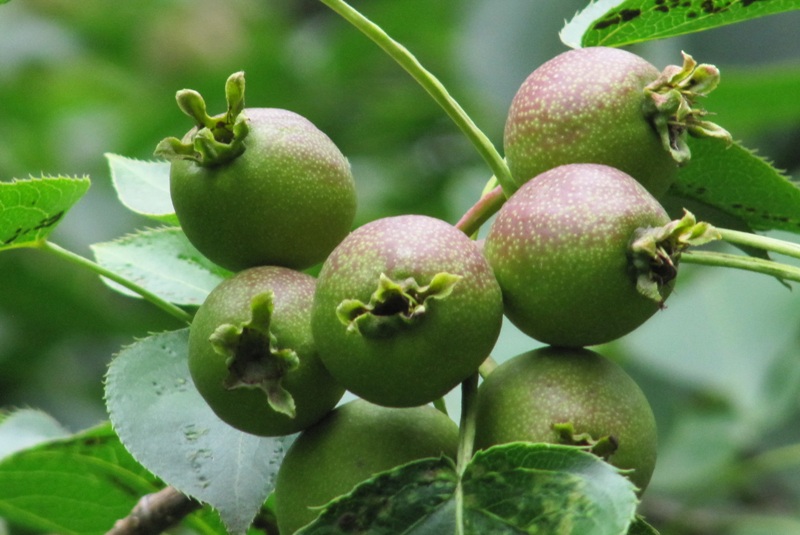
{"x":258,"y":186}
{"x":405,"y":308}
{"x":607,"y":106}
{"x":350,"y":445}
{"x":569,"y":396}
{"x":559,"y":248}
{"x":252,"y":356}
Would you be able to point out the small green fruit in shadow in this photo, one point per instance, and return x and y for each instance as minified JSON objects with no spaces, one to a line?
{"x":352,"y":444}
{"x":569,"y":396}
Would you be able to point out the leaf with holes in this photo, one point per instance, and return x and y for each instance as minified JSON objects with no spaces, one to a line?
{"x":513,"y":488}
{"x":624,"y":22}
{"x":30,"y":209}
{"x":738,"y":183}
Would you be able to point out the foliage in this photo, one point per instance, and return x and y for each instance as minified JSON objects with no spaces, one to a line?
{"x":723,"y":389}
{"x":619,"y":23}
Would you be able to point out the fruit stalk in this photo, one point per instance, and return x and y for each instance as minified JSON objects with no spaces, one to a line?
{"x":488,"y":366}
{"x":760,"y":242}
{"x":432,"y":85}
{"x":466,"y":439}
{"x":747,"y":263}
{"x":481,"y":211}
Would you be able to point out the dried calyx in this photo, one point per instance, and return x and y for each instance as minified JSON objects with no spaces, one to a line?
{"x":655,"y":252}
{"x":216,"y":139}
{"x":394,"y":306}
{"x":672,"y":107}
{"x":253,"y":357}
{"x":603,"y":447}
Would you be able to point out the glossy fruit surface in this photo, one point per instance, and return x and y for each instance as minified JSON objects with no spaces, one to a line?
{"x":354,"y":442}
{"x":559,"y":249}
{"x":250,"y":343}
{"x":569,"y":396}
{"x":287,"y":200}
{"x":587,"y":106}
{"x":405,"y":309}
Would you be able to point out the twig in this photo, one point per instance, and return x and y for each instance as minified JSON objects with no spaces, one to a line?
{"x":154,"y":513}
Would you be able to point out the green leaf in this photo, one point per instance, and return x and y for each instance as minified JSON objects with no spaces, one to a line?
{"x":685,"y":462}
{"x":777,"y":398}
{"x":161,"y":261}
{"x":30,"y":209}
{"x":734,"y":100}
{"x":398,"y":501}
{"x":764,"y":524}
{"x":738,"y":183}
{"x":640,"y":527}
{"x":25,"y":428}
{"x":143,"y":187}
{"x":513,"y":488}
{"x":81,"y":484}
{"x":169,"y":428}
{"x":540,"y":488}
{"x":75,"y":484}
{"x":624,"y":22}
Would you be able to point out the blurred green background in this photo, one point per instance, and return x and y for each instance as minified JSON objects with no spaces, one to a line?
{"x":721,"y":365}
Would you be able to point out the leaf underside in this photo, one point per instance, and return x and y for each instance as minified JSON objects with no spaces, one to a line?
{"x":143,"y":187}
{"x":162,"y":261}
{"x":167,"y":426}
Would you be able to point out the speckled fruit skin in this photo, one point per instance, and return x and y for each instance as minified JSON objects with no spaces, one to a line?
{"x":586,"y":106}
{"x":558,"y":248}
{"x":416,"y":365}
{"x":288,"y":200}
{"x":351,"y":444}
{"x":524,"y":397}
{"x":314,"y":391}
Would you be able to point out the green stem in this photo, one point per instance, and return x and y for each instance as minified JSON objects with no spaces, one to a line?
{"x":775,"y":460}
{"x":481,"y":211}
{"x":469,"y":398}
{"x":76,"y":259}
{"x":747,"y":263}
{"x":432,"y":85}
{"x":487,"y":367}
{"x":760,"y":242}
